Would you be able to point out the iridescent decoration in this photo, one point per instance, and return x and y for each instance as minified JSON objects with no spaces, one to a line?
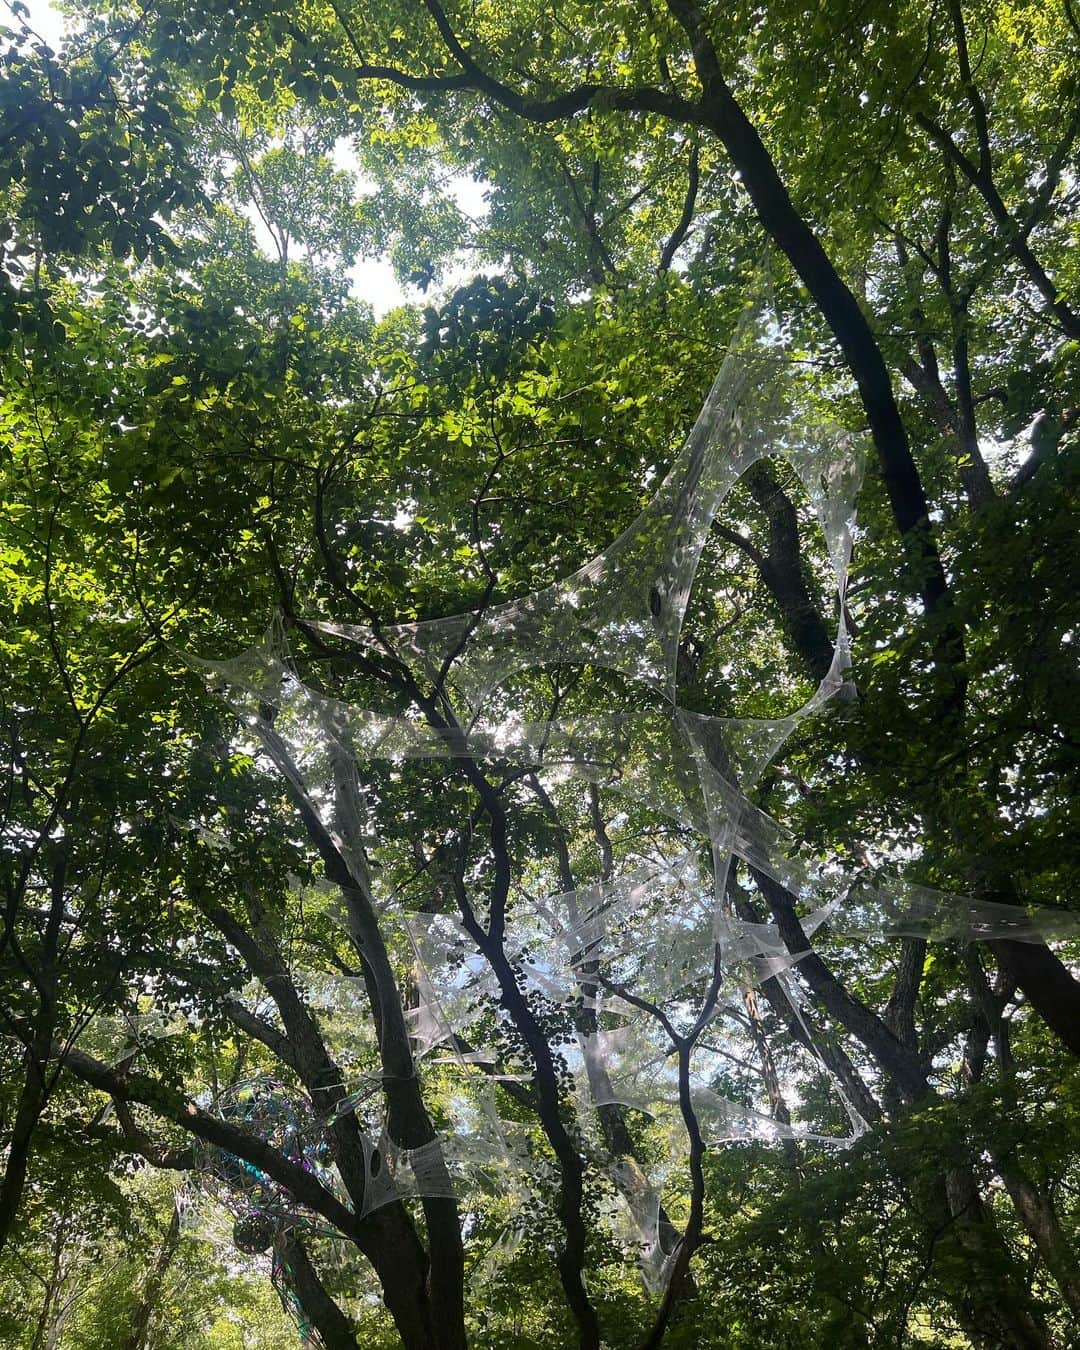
{"x":262,"y":1209}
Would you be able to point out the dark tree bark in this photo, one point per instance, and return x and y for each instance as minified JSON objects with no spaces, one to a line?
{"x":895,"y":1058}
{"x":318,"y":1306}
{"x":150,"y":1295}
{"x":1036,"y":1211}
{"x":38,"y":1045}
{"x":1052,"y":991}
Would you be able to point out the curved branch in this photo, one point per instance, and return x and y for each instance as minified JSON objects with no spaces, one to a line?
{"x":1013,"y":236}
{"x":191,"y":1117}
{"x":681,"y":230}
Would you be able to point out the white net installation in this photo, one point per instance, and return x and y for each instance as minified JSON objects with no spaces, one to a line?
{"x":557,"y":1004}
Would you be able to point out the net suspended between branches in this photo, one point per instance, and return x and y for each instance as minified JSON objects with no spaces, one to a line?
{"x":655,"y":951}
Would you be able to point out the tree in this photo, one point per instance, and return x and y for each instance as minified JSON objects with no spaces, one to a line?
{"x":261,"y":441}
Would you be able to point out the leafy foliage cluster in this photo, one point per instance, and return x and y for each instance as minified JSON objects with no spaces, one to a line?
{"x":203,"y":423}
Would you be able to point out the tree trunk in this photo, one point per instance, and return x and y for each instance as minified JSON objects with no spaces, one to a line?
{"x":1051,"y":989}
{"x":31,"y":1104}
{"x":152,"y":1286}
{"x":1036,"y":1212}
{"x":317,"y":1305}
{"x":996,"y":1299}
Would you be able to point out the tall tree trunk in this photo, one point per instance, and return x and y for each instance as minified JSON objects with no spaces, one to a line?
{"x":150,"y":1296}
{"x":316,"y":1303}
{"x":801,"y":246}
{"x":39,"y":1047}
{"x":1036,"y":1212}
{"x":996,"y":1297}
{"x":27,"y":1114}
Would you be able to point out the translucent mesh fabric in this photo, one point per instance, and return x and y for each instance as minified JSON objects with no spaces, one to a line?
{"x":624,"y":608}
{"x":657,"y":949}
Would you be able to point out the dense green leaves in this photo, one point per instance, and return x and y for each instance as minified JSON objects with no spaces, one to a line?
{"x":203,"y":426}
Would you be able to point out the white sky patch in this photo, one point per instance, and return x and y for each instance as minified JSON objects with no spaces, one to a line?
{"x":45,"y":20}
{"x":371,"y":279}
{"x":374,"y":280}
{"x":470,"y":195}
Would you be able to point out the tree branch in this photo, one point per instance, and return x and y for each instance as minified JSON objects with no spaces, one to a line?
{"x":1012,"y":235}
{"x":682,"y":229}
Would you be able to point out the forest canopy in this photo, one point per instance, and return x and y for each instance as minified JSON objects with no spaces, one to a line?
{"x":538,"y":598}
